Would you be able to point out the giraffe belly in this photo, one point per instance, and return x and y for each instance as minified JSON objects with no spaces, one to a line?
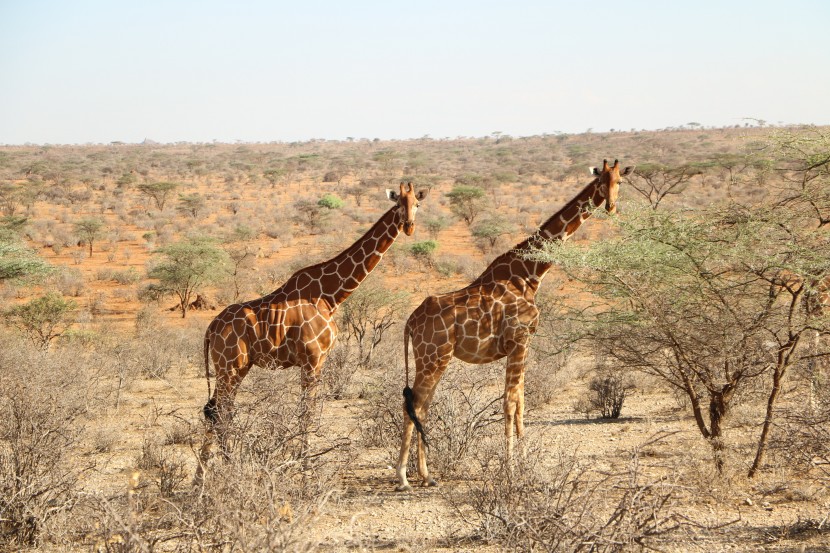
{"x":476,"y":343}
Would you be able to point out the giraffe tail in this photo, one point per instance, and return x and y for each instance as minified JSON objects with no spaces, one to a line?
{"x":210,"y":411}
{"x":408,"y":394}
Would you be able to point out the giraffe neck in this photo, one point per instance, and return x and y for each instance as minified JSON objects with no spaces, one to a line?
{"x":346,"y":271}
{"x":560,"y":226}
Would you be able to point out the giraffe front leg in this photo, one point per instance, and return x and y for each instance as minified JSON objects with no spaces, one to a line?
{"x":309,"y":407}
{"x":514,"y":399}
{"x":205,"y":453}
{"x":218,"y":412}
{"x":423,"y":470}
{"x":217,"y":416}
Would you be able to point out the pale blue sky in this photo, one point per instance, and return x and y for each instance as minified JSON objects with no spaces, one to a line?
{"x":176,"y":70}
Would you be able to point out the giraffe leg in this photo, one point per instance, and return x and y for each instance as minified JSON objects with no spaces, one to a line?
{"x":310,"y":381}
{"x":403,"y":457}
{"x":422,"y":391}
{"x":514,"y":398}
{"x":218,"y":414}
{"x":423,"y":471}
{"x":520,"y":422}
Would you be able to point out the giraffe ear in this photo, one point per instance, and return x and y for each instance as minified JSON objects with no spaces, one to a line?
{"x":628,"y":170}
{"x":421,"y":194}
{"x":594,"y":171}
{"x":392,"y":195}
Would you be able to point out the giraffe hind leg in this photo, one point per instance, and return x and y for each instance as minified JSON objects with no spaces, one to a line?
{"x":210,"y":411}
{"x":403,"y":457}
{"x":412,"y":425}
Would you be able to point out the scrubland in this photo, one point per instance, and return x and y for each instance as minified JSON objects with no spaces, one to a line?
{"x":101,"y":399}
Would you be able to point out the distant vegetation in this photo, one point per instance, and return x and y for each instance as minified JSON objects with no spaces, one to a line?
{"x":700,"y":306}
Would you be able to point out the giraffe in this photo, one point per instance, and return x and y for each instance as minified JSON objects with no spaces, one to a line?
{"x":294,"y":325}
{"x":490,"y":319}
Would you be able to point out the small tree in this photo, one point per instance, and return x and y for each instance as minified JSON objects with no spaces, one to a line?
{"x":423,"y":251}
{"x":358,"y":192}
{"x":466,"y":202}
{"x":311,"y":214}
{"x":89,"y":230}
{"x":185,"y":267}
{"x":435,"y":225}
{"x":273,"y":176}
{"x":10,"y":199}
{"x":491,"y":228}
{"x":609,"y":390}
{"x":191,"y":204}
{"x":330,"y":201}
{"x":241,"y":255}
{"x":43,"y":319}
{"x":159,"y":191}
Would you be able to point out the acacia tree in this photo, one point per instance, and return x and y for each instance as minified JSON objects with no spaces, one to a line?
{"x":274,"y":175}
{"x":43,"y":319}
{"x":191,"y":204}
{"x":311,"y":214}
{"x":159,"y":191}
{"x":707,"y":303}
{"x":89,"y":230}
{"x":803,"y":162}
{"x":185,"y":267}
{"x":10,"y":199}
{"x":490,"y":229}
{"x":466,"y":202}
{"x":654,"y":181}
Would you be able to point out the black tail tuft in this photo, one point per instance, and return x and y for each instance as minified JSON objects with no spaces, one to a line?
{"x":409,"y":405}
{"x":210,"y":410}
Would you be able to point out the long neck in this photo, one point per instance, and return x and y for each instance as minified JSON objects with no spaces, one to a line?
{"x":334,"y":280}
{"x":560,"y":226}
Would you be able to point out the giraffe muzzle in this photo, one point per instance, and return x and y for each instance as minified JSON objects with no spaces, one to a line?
{"x":409,"y":228}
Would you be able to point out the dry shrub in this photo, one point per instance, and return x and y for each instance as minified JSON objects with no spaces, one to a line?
{"x":608,"y":392}
{"x":339,"y":370}
{"x":261,"y":496}
{"x":158,"y":348}
{"x":463,"y":410}
{"x":564,"y":505}
{"x":40,"y":436}
{"x":545,"y":375}
{"x":802,"y":440}
{"x":70,"y":282}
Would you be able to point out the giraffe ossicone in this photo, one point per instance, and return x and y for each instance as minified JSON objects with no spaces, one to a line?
{"x":294,"y":325}
{"x":492,"y":318}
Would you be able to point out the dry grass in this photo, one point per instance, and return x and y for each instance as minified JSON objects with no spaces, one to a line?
{"x":98,"y":436}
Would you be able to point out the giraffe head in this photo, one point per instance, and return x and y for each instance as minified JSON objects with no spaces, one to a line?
{"x":609,"y":182}
{"x":408,"y":202}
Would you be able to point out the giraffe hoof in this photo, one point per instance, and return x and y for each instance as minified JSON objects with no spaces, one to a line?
{"x":432,"y":482}
{"x":403,"y":488}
